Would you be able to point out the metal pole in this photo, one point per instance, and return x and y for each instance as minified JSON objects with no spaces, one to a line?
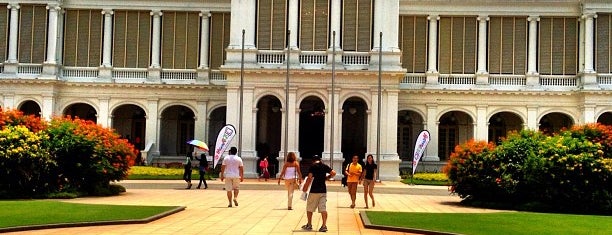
{"x":287,"y":98}
{"x":379,"y":106}
{"x":241,"y":101}
{"x":333,"y":101}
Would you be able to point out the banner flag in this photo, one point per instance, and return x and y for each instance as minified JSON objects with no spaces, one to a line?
{"x":419,"y":148}
{"x":224,"y":138}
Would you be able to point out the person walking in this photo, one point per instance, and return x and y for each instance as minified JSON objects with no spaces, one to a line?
{"x":317,"y":198}
{"x":292,"y":174}
{"x":369,"y":176}
{"x":263,"y":165}
{"x":202,"y":170}
{"x":232,"y":171}
{"x":353,"y":172}
{"x":187,"y":173}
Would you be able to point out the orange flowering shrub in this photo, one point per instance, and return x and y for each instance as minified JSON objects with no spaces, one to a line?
{"x":88,"y":155}
{"x":469,"y":168}
{"x":16,"y":117}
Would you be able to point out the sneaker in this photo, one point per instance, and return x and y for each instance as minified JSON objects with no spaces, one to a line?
{"x":235,"y":202}
{"x":323,"y":229}
{"x":307,"y":227}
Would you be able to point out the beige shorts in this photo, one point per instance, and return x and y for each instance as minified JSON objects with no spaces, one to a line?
{"x":367,"y":182}
{"x":232,"y":184}
{"x":316,"y":201}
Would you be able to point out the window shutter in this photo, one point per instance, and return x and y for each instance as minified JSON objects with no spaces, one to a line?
{"x":421,"y":38}
{"x":558,"y":45}
{"x":144,"y":39}
{"x":444,"y":48}
{"x":279,"y":25}
{"x":3,"y":31}
{"x":349,"y":25}
{"x":321,"y":27}
{"x":264,"y":27}
{"x":520,"y":45}
{"x":193,"y":40}
{"x":180,"y":40}
{"x":545,"y":43}
{"x":603,"y":28}
{"x":457,"y":44}
{"x":70,"y":37}
{"x":571,"y":46}
{"x":219,"y":38}
{"x":119,"y":33}
{"x":307,"y":25}
{"x":82,"y":46}
{"x":364,"y":25}
{"x":167,"y":44}
{"x":470,"y":45}
{"x":406,"y":40}
{"x":507,"y":63}
{"x":39,"y":34}
{"x":495,"y":44}
{"x":131,"y":50}
{"x":25,"y":33}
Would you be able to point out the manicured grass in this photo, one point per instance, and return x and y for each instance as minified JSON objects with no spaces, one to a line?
{"x":496,"y":223}
{"x":159,"y":173}
{"x":427,"y":179}
{"x":39,"y":212}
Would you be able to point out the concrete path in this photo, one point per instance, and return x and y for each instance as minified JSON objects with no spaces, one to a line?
{"x":262,"y":208}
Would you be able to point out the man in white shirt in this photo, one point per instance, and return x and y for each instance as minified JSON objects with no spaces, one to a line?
{"x":232,"y":170}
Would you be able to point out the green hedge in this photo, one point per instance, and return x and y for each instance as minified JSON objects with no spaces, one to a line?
{"x":570,"y":171}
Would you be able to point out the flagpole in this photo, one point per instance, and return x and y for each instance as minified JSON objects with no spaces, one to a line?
{"x":333,"y":101}
{"x":286,"y":148}
{"x":241,"y":96}
{"x":379,"y":106}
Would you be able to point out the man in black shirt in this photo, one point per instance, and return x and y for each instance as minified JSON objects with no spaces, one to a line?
{"x":317,"y":198}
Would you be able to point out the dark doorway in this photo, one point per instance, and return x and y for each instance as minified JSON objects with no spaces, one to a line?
{"x":354,"y":128}
{"x":500,"y":124}
{"x":30,"y":108}
{"x":605,"y":118}
{"x":555,"y":122}
{"x":177,"y":127}
{"x":81,"y":111}
{"x":312,"y":123}
{"x":269,"y":119}
{"x":215,"y":123}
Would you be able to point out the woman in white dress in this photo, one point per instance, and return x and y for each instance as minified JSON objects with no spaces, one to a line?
{"x":292,"y":175}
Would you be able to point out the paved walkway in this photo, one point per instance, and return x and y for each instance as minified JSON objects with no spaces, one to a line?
{"x":262,"y":208}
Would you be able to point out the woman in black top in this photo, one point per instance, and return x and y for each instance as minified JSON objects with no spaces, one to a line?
{"x":369,"y":176}
{"x":187,"y":172}
{"x":202,"y":170}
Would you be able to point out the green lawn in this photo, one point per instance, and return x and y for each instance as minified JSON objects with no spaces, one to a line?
{"x":160,"y":173}
{"x":496,"y":223}
{"x":38,"y":212}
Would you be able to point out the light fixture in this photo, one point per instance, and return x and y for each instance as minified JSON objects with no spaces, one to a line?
{"x":352,"y":110}
{"x":275,"y":109}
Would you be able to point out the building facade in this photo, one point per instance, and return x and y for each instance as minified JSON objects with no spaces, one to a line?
{"x":335,"y":78}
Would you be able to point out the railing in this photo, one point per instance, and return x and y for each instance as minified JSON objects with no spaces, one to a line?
{"x":30,"y":69}
{"x":356,"y":58}
{"x":558,"y":80}
{"x":604,"y":79}
{"x":507,"y":80}
{"x":270,"y":57}
{"x":313,"y":57}
{"x":216,"y":75}
{"x":80,"y":72}
{"x":179,"y":74}
{"x":130,"y":73}
{"x":457,"y":79}
{"x":414,"y":78}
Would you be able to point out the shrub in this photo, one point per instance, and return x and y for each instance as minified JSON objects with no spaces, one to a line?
{"x":89,"y":156}
{"x":570,"y":171}
{"x":25,"y":166}
{"x":16,"y":118}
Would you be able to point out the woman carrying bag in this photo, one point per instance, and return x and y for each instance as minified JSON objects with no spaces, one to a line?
{"x":292,"y":175}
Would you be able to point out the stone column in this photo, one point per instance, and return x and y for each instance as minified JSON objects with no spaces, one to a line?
{"x":242,"y":17}
{"x":533,"y":78}
{"x":482,"y":130}
{"x":152,"y":127}
{"x":532,"y":117}
{"x":47,"y":106}
{"x":589,"y":76}
{"x":155,"y":68}
{"x":204,"y":44}
{"x":200,"y":121}
{"x":103,"y":114}
{"x":588,"y":111}
{"x":482,"y":76}
{"x":50,"y":65}
{"x":432,"y":55}
{"x":10,"y":65}
{"x":105,"y":70}
{"x":336,"y":16}
{"x":9,"y":101}
{"x":389,"y":160}
{"x":294,"y":16}
{"x":431,"y":124}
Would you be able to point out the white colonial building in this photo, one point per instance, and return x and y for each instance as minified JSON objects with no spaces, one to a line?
{"x":304,"y":76}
